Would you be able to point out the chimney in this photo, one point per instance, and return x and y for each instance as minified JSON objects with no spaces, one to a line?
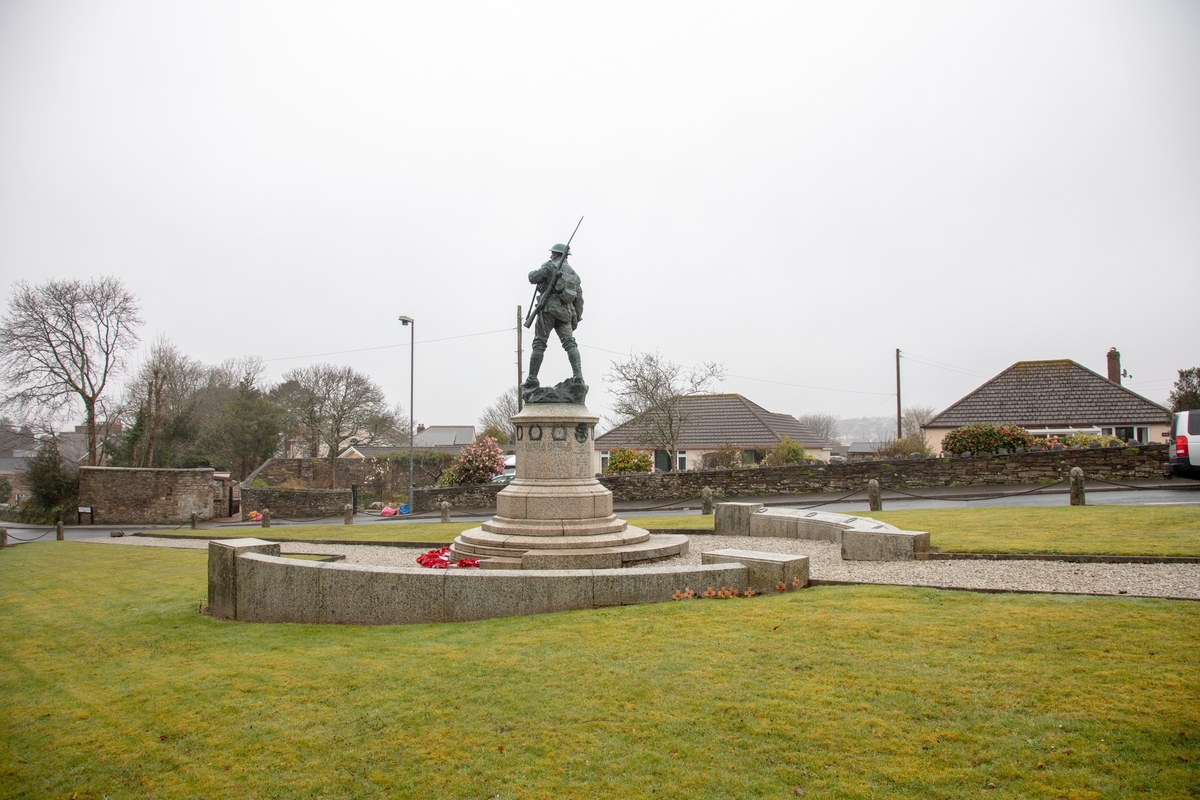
{"x":1114,"y":365}
{"x":421,"y":428}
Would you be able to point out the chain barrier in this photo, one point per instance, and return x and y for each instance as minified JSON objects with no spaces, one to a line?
{"x":34,"y":539}
{"x":975,"y":497}
{"x":835,"y":500}
{"x":1123,"y":485}
{"x":668,"y":504}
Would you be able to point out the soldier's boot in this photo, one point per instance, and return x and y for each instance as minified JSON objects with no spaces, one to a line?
{"x":535,"y":364}
{"x":576,"y":364}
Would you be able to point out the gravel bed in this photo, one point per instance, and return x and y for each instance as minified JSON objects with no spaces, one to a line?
{"x":825,"y":563}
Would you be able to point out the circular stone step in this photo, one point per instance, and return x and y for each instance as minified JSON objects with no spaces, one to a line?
{"x":509,"y":526}
{"x":478,"y":536}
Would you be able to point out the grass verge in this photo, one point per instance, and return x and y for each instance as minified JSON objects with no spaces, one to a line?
{"x":1099,"y":530}
{"x":114,"y":685}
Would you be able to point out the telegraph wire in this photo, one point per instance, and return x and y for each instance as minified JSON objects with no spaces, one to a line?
{"x":389,"y":346}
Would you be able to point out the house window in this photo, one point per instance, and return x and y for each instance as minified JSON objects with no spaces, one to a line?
{"x":603,"y":460}
{"x":681,"y":464}
{"x":751,"y":457}
{"x":1140,"y":435}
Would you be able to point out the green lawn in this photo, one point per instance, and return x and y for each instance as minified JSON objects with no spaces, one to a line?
{"x":113,"y":685}
{"x":1100,"y":530}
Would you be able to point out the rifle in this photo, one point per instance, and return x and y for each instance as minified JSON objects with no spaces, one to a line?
{"x":534,"y":310}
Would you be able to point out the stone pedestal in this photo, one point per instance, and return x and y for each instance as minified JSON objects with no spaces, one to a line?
{"x":554,"y":509}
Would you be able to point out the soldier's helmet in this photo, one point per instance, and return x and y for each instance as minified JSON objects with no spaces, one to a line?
{"x":561,"y":248}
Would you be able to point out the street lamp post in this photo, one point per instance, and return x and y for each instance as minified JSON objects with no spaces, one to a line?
{"x":412,"y":338}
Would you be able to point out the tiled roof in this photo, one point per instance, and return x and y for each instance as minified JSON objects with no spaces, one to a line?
{"x":11,"y":466}
{"x":1051,"y":393}
{"x":444,"y":435}
{"x":373,"y":451}
{"x":714,"y":420}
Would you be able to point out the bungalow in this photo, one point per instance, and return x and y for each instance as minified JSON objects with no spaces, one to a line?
{"x":711,"y":422}
{"x":1057,"y":398}
{"x":447,"y":438}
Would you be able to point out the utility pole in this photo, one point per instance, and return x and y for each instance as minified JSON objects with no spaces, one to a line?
{"x":899,"y":414}
{"x":520,"y":358}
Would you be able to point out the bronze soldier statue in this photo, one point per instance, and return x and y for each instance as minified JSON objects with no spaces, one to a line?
{"x":559,"y":308}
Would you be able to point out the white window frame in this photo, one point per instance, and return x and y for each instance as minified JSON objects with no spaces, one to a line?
{"x":603,"y":460}
{"x":681,"y":460}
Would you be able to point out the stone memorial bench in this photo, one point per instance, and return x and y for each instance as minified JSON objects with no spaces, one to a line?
{"x":861,"y":538}
{"x":766,"y":571}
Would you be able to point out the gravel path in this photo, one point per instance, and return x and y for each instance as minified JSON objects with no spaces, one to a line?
{"x":825,"y":563}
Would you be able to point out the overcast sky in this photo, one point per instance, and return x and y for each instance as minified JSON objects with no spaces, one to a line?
{"x":791,"y":189}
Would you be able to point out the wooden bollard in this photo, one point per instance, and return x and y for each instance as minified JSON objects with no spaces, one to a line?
{"x":195,"y":521}
{"x":1077,"y":495}
{"x":874,"y":496}
{"x":706,"y":501}
{"x":266,"y":517}
{"x":348,"y":510}
{"x":58,"y":529}
{"x":3,"y":537}
{"x":445,"y":507}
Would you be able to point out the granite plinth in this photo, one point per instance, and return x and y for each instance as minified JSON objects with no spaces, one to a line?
{"x":555,"y":514}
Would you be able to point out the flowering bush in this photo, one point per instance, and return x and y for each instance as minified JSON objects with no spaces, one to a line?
{"x":985,"y":437}
{"x":622,"y":460}
{"x":479,"y":462}
{"x":440,"y":559}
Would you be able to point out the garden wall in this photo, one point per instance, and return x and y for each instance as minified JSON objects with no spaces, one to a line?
{"x":388,"y":476}
{"x":134,"y":495}
{"x":295,"y":503}
{"x":1031,"y":468}
{"x":1112,"y":463}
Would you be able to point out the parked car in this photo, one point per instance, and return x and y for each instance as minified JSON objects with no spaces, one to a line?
{"x":1185,"y":444}
{"x":510,"y":470}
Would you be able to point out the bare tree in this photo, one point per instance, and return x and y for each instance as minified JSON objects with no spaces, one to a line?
{"x":65,"y":339}
{"x":648,"y":389}
{"x":499,"y":414}
{"x":164,"y":395}
{"x":328,"y":405}
{"x":823,"y":426}
{"x":914,"y":418}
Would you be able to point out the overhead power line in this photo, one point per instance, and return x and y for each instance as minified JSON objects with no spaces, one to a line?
{"x":929,"y":362}
{"x":388,"y":346}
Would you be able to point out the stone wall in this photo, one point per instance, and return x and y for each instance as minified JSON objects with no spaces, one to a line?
{"x":1112,"y":463}
{"x":249,"y":582}
{"x":295,"y":503}
{"x":480,"y":496}
{"x":376,"y":475}
{"x":129,"y":495}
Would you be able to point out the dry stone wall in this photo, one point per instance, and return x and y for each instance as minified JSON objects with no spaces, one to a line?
{"x":1030,"y":468}
{"x":370,"y":474}
{"x":130,"y":495}
{"x":295,"y":503}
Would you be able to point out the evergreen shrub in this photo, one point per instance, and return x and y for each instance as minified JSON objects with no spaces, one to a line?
{"x":622,"y":461}
{"x":985,"y":437}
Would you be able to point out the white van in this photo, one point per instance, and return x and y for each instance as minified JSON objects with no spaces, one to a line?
{"x":1185,"y":444}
